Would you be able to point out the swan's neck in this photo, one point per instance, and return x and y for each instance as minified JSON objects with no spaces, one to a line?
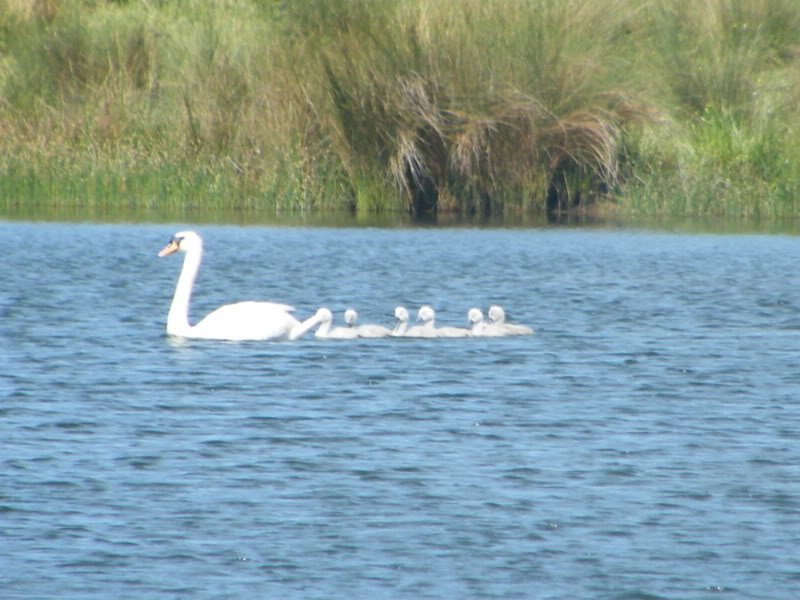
{"x":300,"y":329}
{"x":178,"y":317}
{"x":400,"y":328}
{"x":324,"y":329}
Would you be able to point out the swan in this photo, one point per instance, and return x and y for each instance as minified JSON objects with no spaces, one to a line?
{"x":426,"y":314}
{"x":240,"y":321}
{"x":481,"y":328}
{"x":364,"y":331}
{"x":401,"y":314}
{"x":498,"y":316}
{"x":325,"y":330}
{"x":426,"y":330}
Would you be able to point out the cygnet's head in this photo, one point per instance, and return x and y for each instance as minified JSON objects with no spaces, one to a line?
{"x":425,"y":314}
{"x":184,"y":241}
{"x":350,"y":316}
{"x":475,"y":315}
{"x":497,"y":314}
{"x":401,"y":314}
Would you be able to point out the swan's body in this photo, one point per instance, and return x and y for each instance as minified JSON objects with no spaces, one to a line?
{"x":425,"y":330}
{"x":364,"y":331}
{"x":426,"y":314}
{"x":481,"y":328}
{"x":240,"y":321}
{"x":497,"y":316}
{"x":325,"y":331}
{"x":401,"y":314}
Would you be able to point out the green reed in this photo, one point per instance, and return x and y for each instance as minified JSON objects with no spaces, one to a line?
{"x":465,"y":106}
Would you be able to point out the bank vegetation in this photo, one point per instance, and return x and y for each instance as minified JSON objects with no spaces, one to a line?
{"x":659,"y":107}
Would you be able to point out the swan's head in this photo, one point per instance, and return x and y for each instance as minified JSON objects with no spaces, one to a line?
{"x":401,"y":314}
{"x":425,"y":314}
{"x":475,"y":315}
{"x":324,"y":315}
{"x":185,"y":241}
{"x":350,"y":317}
{"x":497,"y":314}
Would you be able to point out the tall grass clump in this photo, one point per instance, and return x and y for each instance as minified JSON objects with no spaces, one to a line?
{"x":480,"y":105}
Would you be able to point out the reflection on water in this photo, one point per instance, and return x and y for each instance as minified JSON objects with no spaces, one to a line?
{"x":642,"y":444}
{"x":249,"y":216}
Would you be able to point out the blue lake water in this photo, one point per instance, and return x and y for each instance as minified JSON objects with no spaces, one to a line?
{"x":643,"y":444}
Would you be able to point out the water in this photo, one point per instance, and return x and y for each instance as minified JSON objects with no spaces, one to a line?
{"x":643,"y":444}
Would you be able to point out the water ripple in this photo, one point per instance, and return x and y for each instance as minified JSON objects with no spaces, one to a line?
{"x":640,"y":446}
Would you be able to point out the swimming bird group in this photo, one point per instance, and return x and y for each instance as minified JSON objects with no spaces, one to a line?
{"x":273,"y":321}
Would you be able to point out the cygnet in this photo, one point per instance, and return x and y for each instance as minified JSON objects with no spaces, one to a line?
{"x":497,"y":316}
{"x":425,"y":329}
{"x":426,"y":314}
{"x":481,"y":328}
{"x":325,"y":331}
{"x":364,"y":331}
{"x":401,"y":314}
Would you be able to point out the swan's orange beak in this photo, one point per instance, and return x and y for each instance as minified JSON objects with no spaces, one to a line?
{"x":168,"y":249}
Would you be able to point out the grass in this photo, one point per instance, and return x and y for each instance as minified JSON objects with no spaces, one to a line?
{"x":473,"y":107}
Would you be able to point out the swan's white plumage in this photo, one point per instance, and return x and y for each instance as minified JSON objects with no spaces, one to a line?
{"x":425,"y":330}
{"x":497,"y":316}
{"x":364,"y":331}
{"x":481,"y":328}
{"x":240,"y":321}
{"x":300,"y":330}
{"x":401,"y":314}
{"x":427,"y":315}
{"x":325,"y":331}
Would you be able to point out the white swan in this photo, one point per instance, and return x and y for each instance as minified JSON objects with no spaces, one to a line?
{"x":481,"y":328}
{"x":426,"y":314}
{"x":401,"y":314}
{"x":325,"y":331}
{"x":239,"y":321}
{"x":498,"y":317}
{"x":364,"y":331}
{"x":425,"y":330}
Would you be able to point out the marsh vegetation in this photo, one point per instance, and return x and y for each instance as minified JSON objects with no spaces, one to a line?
{"x":456,"y":106}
